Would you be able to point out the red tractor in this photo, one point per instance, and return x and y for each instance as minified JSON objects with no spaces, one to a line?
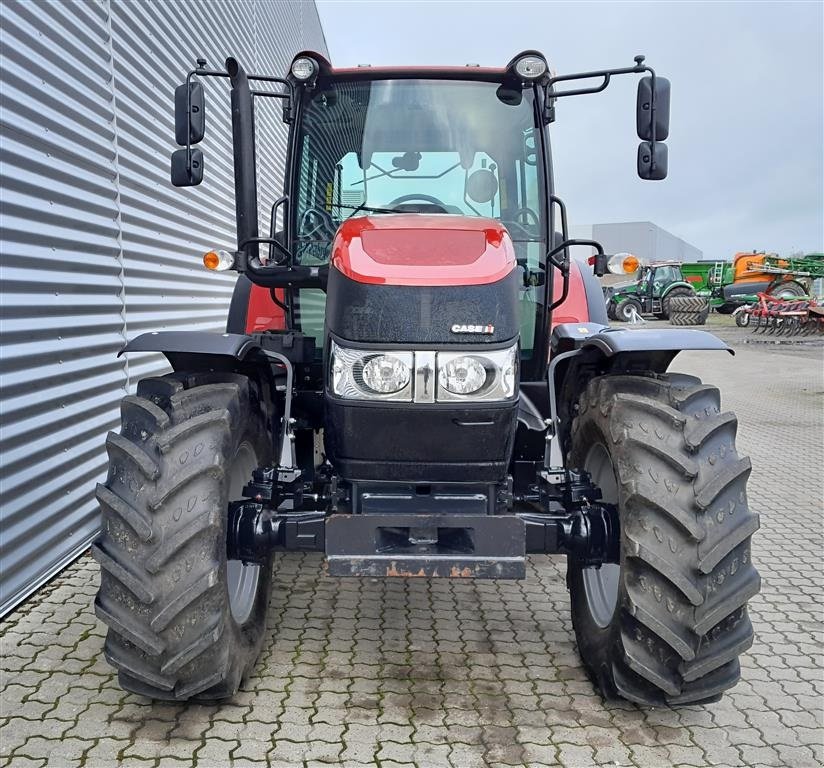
{"x":418,"y":381}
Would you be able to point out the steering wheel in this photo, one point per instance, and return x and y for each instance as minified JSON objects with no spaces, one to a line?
{"x":423,"y":198}
{"x":315,"y":221}
{"x":525,"y":219}
{"x":530,"y":218}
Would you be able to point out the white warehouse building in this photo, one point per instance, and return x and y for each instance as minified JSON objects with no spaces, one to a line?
{"x":642,"y":238}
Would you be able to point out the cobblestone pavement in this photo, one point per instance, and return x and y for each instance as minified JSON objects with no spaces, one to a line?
{"x":447,"y":673}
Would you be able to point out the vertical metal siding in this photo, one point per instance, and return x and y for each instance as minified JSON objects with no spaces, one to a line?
{"x":96,"y":244}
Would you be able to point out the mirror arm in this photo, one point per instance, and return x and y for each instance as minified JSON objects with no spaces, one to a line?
{"x":201,"y":71}
{"x":288,"y":96}
{"x":271,"y":94}
{"x":652,"y":121}
{"x":550,"y":94}
{"x":580,"y":91}
{"x":606,"y":74}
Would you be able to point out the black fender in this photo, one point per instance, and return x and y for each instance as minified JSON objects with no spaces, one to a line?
{"x":596,"y":301}
{"x":582,"y":351}
{"x":239,"y":305}
{"x":198,"y":350}
{"x":236,"y":352}
{"x":614,"y":341}
{"x":676,"y":284}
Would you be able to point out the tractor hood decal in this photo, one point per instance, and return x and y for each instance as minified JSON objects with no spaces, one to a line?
{"x":458,"y":328}
{"x":423,"y":249}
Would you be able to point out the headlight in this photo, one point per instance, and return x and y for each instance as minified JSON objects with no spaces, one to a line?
{"x":531,"y":67}
{"x":423,"y":376}
{"x":480,"y":376}
{"x":463,"y":375}
{"x":359,"y":374}
{"x":385,"y":374}
{"x":303,"y":68}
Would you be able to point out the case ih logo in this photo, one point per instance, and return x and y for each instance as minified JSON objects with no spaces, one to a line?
{"x":458,"y":328}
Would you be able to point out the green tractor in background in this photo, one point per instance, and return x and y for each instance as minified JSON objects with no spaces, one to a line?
{"x":652,"y":293}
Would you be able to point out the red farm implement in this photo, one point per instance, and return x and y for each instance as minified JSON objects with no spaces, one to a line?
{"x":782,"y":317}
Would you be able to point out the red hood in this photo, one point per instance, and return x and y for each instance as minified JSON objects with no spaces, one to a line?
{"x":423,"y":249}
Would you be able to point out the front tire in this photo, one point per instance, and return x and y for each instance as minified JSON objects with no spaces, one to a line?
{"x":626,"y":309}
{"x":666,"y":625}
{"x":184,"y":620}
{"x":682,"y":292}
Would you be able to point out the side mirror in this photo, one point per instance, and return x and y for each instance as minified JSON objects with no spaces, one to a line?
{"x":643,"y":108}
{"x":191,"y":115}
{"x":183,"y":173}
{"x":648,"y":170}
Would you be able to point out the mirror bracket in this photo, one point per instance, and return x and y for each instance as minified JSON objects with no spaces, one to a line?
{"x":652,"y":110}
{"x":190,"y":172}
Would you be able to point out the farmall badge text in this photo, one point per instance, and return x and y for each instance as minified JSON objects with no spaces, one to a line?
{"x":458,"y":328}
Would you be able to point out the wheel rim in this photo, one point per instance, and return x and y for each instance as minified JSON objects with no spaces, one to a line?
{"x":601,"y":584}
{"x":787,"y":292}
{"x":241,"y":580}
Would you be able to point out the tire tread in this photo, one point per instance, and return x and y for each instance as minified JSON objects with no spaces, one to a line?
{"x":171,"y":634}
{"x":686,"y":528}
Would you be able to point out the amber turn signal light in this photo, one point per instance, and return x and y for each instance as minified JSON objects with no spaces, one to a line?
{"x":218,"y":261}
{"x":623,"y":264}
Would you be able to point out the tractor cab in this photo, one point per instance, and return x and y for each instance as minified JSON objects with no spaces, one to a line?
{"x":425,"y":152}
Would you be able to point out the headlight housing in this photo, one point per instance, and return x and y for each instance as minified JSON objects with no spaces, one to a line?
{"x":531,"y":67}
{"x":423,"y":376}
{"x":460,"y":379}
{"x":358,"y":374}
{"x":304,"y":68}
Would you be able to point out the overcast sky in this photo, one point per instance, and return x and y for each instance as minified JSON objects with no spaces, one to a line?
{"x":746,"y":146}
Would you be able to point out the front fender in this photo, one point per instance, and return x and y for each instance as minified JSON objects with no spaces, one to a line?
{"x":615,"y":341}
{"x":611,"y":341}
{"x":582,"y":351}
{"x":677,"y":284}
{"x":170,"y":343}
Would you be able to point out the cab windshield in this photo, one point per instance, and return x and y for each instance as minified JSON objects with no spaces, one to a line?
{"x":419,"y":146}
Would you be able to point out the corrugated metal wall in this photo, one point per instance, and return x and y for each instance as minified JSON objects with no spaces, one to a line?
{"x":96,"y":245}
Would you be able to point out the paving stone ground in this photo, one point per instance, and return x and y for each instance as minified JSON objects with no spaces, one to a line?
{"x":451,"y":673}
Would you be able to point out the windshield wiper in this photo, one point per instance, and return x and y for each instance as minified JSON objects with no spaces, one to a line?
{"x":363,"y":207}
